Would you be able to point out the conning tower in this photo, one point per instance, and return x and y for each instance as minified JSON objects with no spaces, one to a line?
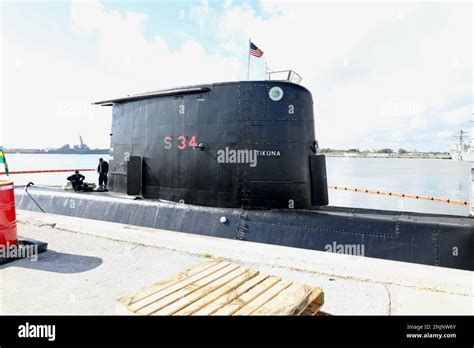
{"x":235,"y":144}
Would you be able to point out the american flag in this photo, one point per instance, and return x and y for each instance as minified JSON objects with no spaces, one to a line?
{"x":255,"y":51}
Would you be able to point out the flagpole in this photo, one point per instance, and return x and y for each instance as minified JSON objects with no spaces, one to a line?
{"x":265,"y":76}
{"x":248,"y":64}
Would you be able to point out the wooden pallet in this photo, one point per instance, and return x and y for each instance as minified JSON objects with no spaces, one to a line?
{"x":218,"y":287}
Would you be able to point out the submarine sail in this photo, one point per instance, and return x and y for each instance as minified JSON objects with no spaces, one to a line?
{"x":237,"y":144}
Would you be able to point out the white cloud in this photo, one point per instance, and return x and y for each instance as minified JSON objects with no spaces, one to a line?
{"x":150,"y":63}
{"x":379,"y":73}
{"x":358,"y":57}
{"x":51,"y":90}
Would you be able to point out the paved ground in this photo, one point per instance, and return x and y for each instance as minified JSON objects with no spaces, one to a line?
{"x":90,"y":264}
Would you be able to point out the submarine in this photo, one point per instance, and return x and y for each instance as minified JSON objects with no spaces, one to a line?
{"x":241,"y":160}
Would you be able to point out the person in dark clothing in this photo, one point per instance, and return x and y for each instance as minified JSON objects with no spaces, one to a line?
{"x":76,"y":180}
{"x":103,"y":170}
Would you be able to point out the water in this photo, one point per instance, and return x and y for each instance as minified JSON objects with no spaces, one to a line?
{"x":437,"y":178}
{"x":427,"y":177}
{"x":20,"y":162}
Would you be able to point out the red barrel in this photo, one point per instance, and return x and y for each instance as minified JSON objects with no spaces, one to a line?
{"x":7,"y":214}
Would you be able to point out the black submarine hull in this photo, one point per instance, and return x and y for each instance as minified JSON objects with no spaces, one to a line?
{"x":437,"y":240}
{"x":240,"y":160}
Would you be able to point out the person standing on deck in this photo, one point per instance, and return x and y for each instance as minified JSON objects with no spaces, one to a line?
{"x":103,"y":170}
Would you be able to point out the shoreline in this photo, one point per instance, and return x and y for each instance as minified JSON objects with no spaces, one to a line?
{"x":424,"y":156}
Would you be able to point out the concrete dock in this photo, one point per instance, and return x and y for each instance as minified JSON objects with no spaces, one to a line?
{"x":91,"y":263}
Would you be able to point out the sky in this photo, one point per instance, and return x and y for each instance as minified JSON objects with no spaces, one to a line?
{"x":382,"y":75}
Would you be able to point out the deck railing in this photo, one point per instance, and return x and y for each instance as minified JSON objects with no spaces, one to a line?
{"x":283,"y":75}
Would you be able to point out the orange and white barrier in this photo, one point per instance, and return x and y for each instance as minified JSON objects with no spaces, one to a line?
{"x":340,"y":188}
{"x":403,"y":195}
{"x":48,"y":171}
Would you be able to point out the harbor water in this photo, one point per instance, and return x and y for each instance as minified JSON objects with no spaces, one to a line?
{"x":428,"y":177}
{"x":440,"y":178}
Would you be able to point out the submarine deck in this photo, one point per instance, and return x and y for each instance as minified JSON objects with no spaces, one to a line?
{"x":331,"y":210}
{"x":91,"y":263}
{"x":430,"y":239}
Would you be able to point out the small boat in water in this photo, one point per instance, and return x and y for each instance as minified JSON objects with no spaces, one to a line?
{"x":463,"y":151}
